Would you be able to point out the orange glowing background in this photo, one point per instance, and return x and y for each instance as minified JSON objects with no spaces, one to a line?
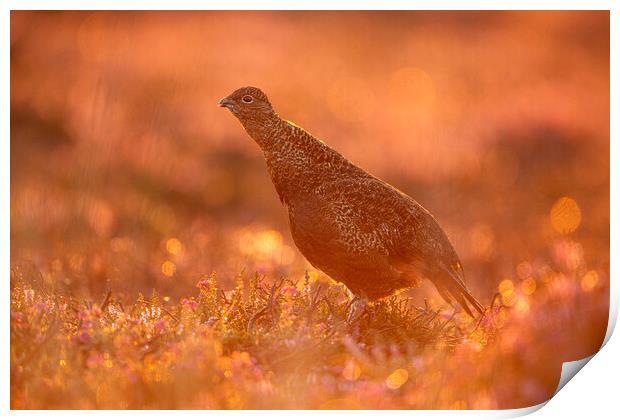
{"x":127,"y":177}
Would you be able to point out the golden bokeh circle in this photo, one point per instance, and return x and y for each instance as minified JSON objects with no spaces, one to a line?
{"x":565,"y":215}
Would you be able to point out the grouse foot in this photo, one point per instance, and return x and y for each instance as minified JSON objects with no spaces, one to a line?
{"x":357,"y":308}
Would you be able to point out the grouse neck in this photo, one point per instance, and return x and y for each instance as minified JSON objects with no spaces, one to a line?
{"x":264,"y":130}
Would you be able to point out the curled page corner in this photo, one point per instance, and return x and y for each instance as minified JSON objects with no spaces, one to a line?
{"x":519,"y":412}
{"x":570,"y":369}
{"x":613,"y":312}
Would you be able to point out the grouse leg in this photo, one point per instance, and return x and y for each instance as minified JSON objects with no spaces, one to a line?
{"x":357,"y":308}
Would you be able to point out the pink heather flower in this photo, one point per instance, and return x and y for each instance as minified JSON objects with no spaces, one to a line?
{"x":94,"y":360}
{"x":84,"y":337}
{"x":190,"y":302}
{"x":203,"y":284}
{"x":29,"y":296}
{"x":41,"y":306}
{"x":160,"y":325}
{"x":291,"y":291}
{"x":418,"y":362}
{"x":131,"y":376}
{"x":262,"y":268}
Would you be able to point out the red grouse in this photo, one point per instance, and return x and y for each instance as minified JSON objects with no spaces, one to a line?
{"x":354,"y":227}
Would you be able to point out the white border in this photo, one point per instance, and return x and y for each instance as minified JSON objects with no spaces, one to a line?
{"x":593,"y":394}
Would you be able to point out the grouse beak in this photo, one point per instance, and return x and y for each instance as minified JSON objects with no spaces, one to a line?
{"x":226,"y":103}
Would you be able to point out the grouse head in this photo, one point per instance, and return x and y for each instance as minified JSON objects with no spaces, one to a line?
{"x":248,"y":104}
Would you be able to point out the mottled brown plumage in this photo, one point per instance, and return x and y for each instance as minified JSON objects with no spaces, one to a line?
{"x":349,"y":224}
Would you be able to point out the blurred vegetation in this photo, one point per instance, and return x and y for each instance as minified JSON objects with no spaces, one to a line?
{"x":286,"y":345}
{"x":127,"y":181}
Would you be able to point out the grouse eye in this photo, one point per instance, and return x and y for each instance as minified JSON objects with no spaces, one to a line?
{"x":247,"y":99}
